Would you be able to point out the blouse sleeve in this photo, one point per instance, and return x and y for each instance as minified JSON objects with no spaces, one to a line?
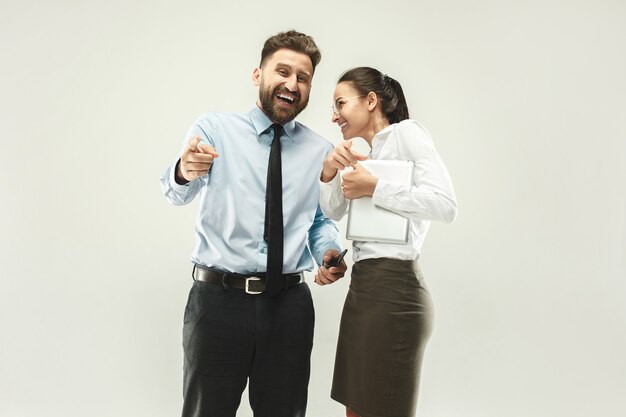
{"x":431,"y":196}
{"x":334,"y":205}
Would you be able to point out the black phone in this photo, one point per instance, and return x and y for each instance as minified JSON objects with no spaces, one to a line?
{"x":336,"y":260}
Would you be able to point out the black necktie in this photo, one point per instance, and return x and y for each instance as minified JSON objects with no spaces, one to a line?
{"x":274,"y":216}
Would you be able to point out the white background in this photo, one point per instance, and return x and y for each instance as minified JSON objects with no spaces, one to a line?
{"x":525,"y":101}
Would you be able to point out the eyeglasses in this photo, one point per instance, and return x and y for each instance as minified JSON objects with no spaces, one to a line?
{"x":338,"y":104}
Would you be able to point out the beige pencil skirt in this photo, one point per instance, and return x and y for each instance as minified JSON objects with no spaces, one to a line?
{"x":386,"y":321}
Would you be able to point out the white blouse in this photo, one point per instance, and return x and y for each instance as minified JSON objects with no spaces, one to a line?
{"x":430,"y":197}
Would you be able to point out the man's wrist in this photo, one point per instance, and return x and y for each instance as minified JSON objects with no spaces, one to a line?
{"x":178,"y":175}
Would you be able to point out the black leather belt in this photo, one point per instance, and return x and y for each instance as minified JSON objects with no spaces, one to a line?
{"x":252,"y":284}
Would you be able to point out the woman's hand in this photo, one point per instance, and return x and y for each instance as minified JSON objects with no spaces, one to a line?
{"x":340,"y":158}
{"x":358,"y":183}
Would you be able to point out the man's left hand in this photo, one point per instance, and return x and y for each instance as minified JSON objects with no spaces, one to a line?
{"x":329,"y":275}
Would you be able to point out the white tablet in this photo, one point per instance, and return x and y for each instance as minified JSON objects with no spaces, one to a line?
{"x":370,"y":223}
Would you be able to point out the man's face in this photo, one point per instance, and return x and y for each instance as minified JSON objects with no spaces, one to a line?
{"x":284,"y":84}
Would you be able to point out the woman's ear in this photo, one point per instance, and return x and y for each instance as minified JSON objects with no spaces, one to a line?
{"x":372,"y":101}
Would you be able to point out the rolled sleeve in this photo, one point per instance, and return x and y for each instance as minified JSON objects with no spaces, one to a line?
{"x":323,"y":236}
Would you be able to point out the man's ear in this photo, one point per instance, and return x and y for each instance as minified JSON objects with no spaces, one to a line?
{"x":256,"y":76}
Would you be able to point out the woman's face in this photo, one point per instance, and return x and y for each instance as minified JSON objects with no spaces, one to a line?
{"x":350,"y":111}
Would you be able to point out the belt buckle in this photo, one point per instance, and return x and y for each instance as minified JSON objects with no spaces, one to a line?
{"x":247,"y":289}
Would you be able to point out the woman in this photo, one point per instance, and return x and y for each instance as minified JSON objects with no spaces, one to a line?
{"x":387,"y":316}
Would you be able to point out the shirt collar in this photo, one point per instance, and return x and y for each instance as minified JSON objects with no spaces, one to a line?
{"x":262,"y":123}
{"x":380,"y":138}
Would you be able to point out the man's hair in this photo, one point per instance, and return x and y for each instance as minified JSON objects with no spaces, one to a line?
{"x":293,"y":40}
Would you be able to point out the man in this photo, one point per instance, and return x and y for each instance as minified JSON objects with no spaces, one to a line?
{"x":249,"y":315}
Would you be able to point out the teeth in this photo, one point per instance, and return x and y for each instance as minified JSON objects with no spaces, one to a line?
{"x":291,"y":99}
{"x":341,"y":126}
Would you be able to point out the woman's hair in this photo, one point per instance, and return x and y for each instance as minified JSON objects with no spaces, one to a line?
{"x":388,"y":90}
{"x":294,"y":40}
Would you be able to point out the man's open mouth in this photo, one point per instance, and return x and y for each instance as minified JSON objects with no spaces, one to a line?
{"x":287,"y":98}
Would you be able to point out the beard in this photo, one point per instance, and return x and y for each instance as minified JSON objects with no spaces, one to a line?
{"x":276,"y":113}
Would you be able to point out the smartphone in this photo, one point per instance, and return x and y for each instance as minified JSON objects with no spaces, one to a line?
{"x":336,"y":260}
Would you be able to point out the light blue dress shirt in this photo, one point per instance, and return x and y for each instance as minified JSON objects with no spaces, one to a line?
{"x":231,"y":217}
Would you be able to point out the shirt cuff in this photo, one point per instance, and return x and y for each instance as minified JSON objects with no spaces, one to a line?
{"x":333,"y":184}
{"x":383,"y":193}
{"x":319,"y":253}
{"x":176,"y":186}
